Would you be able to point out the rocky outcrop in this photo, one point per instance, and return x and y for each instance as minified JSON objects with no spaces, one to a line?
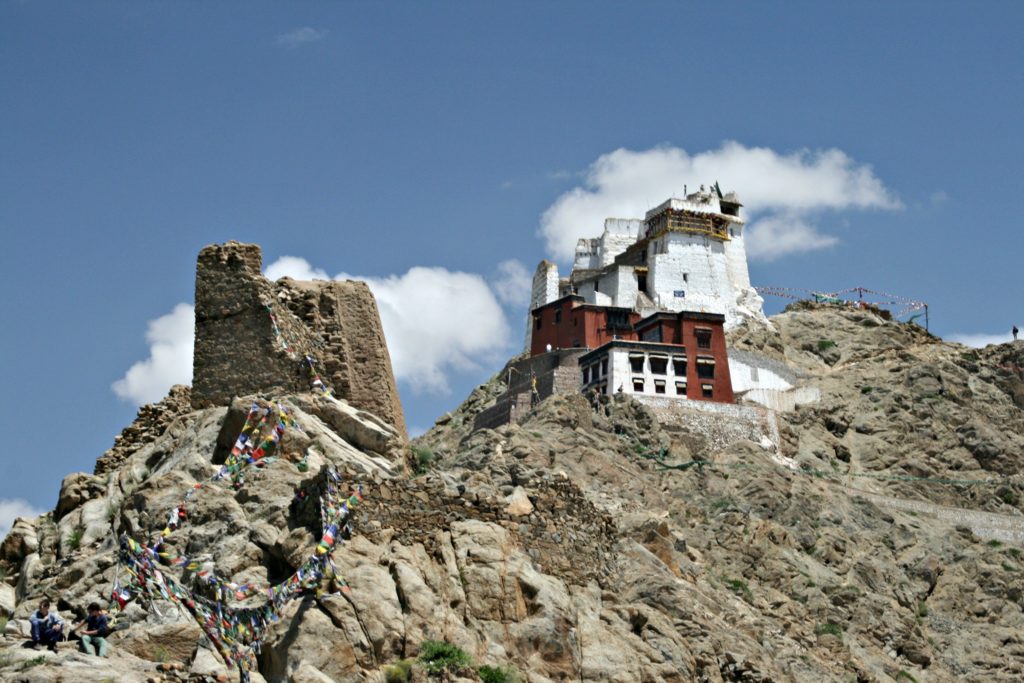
{"x":589,"y":541}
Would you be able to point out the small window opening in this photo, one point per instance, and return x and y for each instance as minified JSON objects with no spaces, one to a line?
{"x":638,"y":385}
{"x":680,"y":388}
{"x":536,"y":322}
{"x":679,"y":367}
{"x":636,"y":363}
{"x":558,"y":315}
{"x":659,"y":386}
{"x":686,"y":277}
{"x":706,"y":370}
{"x":641,"y":282}
{"x":659,"y":366}
{"x":604,"y":367}
{"x":707,"y":391}
{"x":703,"y":339}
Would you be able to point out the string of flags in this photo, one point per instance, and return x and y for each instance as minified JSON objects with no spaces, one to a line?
{"x":306,"y":360}
{"x":238,"y":632}
{"x":800,"y":294}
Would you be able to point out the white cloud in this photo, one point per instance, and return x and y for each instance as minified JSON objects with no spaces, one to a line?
{"x":12,"y":508}
{"x":437,"y":321}
{"x":778,"y":235}
{"x":787,"y":188}
{"x":169,"y":362}
{"x":301,"y":36}
{"x":979,"y":340}
{"x":513,"y":283}
{"x":294,"y":267}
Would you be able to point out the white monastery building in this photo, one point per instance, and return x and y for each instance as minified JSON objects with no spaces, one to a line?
{"x":684,"y":255}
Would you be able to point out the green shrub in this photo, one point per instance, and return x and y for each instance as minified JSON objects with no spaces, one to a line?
{"x":497,"y":674}
{"x":866,"y":390}
{"x":825,"y":344}
{"x":740,"y":588}
{"x":922,"y":609}
{"x":829,"y":628}
{"x":35,"y":661}
{"x":399,"y":672}
{"x":438,"y":657}
{"x":902,"y":675}
{"x":1007,"y":496}
{"x":994,"y":543}
{"x":1014,"y":553}
{"x":423,"y":457}
{"x":75,"y":537}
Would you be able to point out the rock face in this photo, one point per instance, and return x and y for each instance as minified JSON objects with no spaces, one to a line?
{"x":589,"y":541}
{"x":252,"y":335}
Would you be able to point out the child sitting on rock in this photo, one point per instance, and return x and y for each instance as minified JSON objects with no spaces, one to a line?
{"x":92,"y":632}
{"x":47,"y":627}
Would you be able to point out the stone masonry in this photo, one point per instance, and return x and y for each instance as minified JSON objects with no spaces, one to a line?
{"x":238,"y":351}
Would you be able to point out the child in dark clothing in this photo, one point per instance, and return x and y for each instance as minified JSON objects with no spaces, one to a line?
{"x":93,"y":632}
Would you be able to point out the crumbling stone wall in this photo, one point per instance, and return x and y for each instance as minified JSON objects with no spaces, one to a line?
{"x":152,"y":421}
{"x":238,"y":351}
{"x":564,"y":534}
{"x":716,"y":425}
{"x":557,"y":372}
{"x":344,"y":318}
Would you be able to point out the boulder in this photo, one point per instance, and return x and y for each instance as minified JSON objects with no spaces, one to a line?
{"x":160,"y":642}
{"x":77,"y":488}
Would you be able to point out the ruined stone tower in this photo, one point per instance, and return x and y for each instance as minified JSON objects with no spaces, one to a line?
{"x":252,"y":335}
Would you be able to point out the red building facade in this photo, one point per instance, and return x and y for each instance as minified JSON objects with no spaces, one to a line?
{"x":672,"y":354}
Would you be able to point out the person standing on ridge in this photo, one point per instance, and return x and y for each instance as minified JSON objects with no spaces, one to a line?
{"x":1015,"y":331}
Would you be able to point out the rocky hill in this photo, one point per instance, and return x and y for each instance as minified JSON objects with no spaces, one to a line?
{"x":882,"y":542}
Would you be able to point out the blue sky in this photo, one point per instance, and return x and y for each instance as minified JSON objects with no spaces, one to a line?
{"x":442,"y":149}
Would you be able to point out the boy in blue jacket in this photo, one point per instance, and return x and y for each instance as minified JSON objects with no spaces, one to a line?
{"x":47,"y":627}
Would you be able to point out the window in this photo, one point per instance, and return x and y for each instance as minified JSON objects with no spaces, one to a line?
{"x":602,"y":389}
{"x":641,"y":282}
{"x":703,"y":339}
{"x":686,"y":277}
{"x":659,"y":365}
{"x":659,"y":386}
{"x":536,"y":322}
{"x":636,"y":363}
{"x":586,"y":375}
{"x":604,"y":367}
{"x":705,"y":368}
{"x":651,"y":334}
{"x":707,"y":390}
{"x":679,"y":366}
{"x":638,"y":385}
{"x":680,"y":388}
{"x":618,"y":320}
{"x":558,"y":316}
